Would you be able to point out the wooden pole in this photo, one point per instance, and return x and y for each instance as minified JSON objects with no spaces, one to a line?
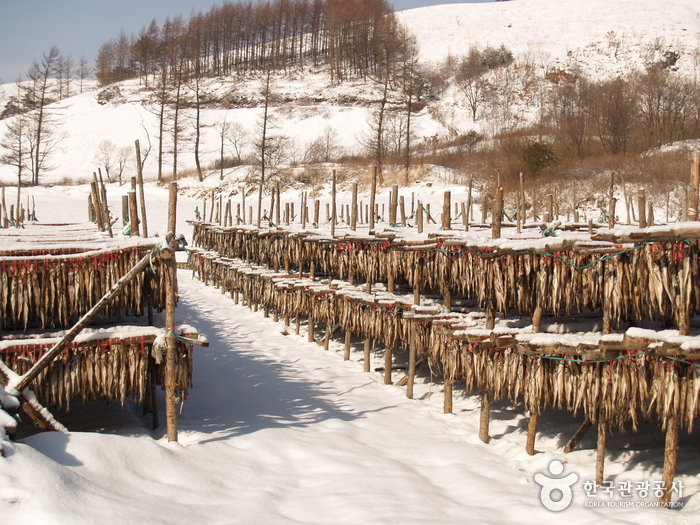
{"x":531,"y":432}
{"x":412,"y":352}
{"x":368,"y":347}
{"x":372,"y":196}
{"x":419,"y":217}
{"x":497,"y":214}
{"x":611,"y":219}
{"x":447,"y":395}
{"x":125,"y":210}
{"x":694,"y":185}
{"x":446,"y":205}
{"x":353,"y":208}
{"x":578,"y":436}
{"x":402,"y":210}
{"x":600,"y":452}
{"x":5,"y":220}
{"x":348,"y":340}
{"x":469,"y":200}
{"x":142,"y":199}
{"x":171,"y":341}
{"x":133,"y":215}
{"x":277,"y":208}
{"x":310,"y":329}
{"x":642,"y":207}
{"x":388,"y":353}
{"x":484,"y":417}
{"x":333,"y":205}
{"x":670,"y":458}
{"x":96,"y":204}
{"x":418,"y":277}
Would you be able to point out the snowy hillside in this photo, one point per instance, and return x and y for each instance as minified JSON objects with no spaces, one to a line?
{"x":599,"y":38}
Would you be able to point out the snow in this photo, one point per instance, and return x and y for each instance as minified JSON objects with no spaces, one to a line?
{"x":568,"y":35}
{"x":275,"y":429}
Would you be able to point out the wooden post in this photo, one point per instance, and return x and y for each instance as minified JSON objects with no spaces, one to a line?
{"x":125,"y":210}
{"x":277,"y":208}
{"x":497,"y":214}
{"x":694,"y":185}
{"x":402,"y":209}
{"x":419,"y":217}
{"x":353,"y":209}
{"x":171,"y":341}
{"x":484,"y":417}
{"x":469,"y":201}
{"x":317,"y":211}
{"x":394,"y":204}
{"x":372,"y":196}
{"x":133,"y":215}
{"x":227,"y":214}
{"x":5,"y":220}
{"x":600,"y":452}
{"x":521,"y":203}
{"x":139,"y":180}
{"x":447,"y":395}
{"x":388,"y":352}
{"x":446,"y":205}
{"x":286,"y":213}
{"x":578,"y":436}
{"x":96,"y":204}
{"x":91,"y":213}
{"x":105,"y":207}
{"x":348,"y":340}
{"x":368,"y":346}
{"x":531,"y":432}
{"x":418,"y":277}
{"x":642,"y":207}
{"x":412,"y":352}
{"x":550,"y":208}
{"x":611,"y":219}
{"x":670,"y":457}
{"x":310,"y":329}
{"x":333,"y":206}
{"x":303,"y":209}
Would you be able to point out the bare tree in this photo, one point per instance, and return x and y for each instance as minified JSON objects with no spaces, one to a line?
{"x":82,"y":71}
{"x":15,"y":145}
{"x":37,"y":97}
{"x":262,"y":143}
{"x":106,"y":153}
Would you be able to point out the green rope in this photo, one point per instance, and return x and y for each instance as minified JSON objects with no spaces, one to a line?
{"x":681,"y":360}
{"x":602,"y":259}
{"x":182,"y":337}
{"x":571,"y":360}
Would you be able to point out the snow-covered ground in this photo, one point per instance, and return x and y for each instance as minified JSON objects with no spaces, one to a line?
{"x":279,"y":431}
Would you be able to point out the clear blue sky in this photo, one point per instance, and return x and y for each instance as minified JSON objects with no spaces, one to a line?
{"x":28,"y":28}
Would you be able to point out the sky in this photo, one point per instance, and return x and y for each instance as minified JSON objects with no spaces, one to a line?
{"x":28,"y":28}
